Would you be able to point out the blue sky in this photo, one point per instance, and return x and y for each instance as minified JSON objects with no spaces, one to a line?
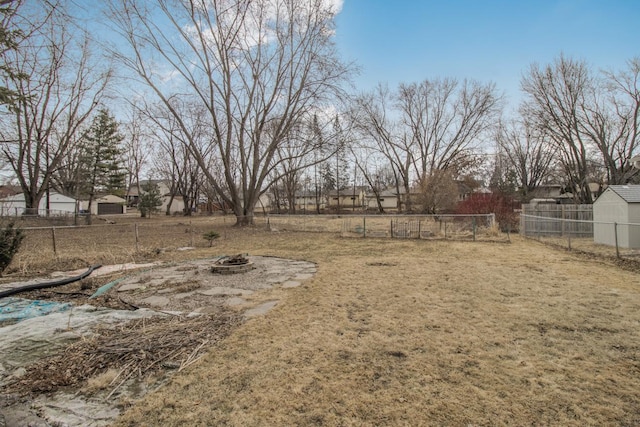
{"x":397,"y":41}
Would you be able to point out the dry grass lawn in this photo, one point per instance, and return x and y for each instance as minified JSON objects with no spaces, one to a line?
{"x":394,"y":332}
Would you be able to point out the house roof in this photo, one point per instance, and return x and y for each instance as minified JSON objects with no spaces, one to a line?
{"x":628,"y":193}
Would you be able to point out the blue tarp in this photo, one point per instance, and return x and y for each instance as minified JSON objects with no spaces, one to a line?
{"x":16,"y":309}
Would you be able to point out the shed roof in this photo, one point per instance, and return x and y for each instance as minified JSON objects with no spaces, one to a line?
{"x":628,"y":193}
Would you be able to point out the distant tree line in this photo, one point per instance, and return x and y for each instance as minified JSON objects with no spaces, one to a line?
{"x":231,"y":100}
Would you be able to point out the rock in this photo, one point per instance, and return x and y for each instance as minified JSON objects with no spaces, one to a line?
{"x":290,"y":284}
{"x":130,"y":287}
{"x":156,"y":301}
{"x":19,"y":373}
{"x":260,"y":310}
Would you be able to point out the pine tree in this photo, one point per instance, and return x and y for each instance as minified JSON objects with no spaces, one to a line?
{"x":103,"y":157}
{"x":149,"y":200}
{"x":9,"y":38}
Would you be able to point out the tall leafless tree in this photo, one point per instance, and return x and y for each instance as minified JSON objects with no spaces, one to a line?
{"x":446,"y":120}
{"x":555,"y":104}
{"x":613,"y":121}
{"x":63,"y":88}
{"x":174,"y":160}
{"x":373,"y":117}
{"x":258,"y":68}
{"x":529,"y":154}
{"x":436,"y":125}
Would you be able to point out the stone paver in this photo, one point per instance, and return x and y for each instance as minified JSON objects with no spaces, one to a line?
{"x":291,"y":284}
{"x":131,"y":287}
{"x":261,"y":310}
{"x":235,"y":301}
{"x":156,"y":300}
{"x":223,"y":291}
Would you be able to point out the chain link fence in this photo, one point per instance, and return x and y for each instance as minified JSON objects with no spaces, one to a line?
{"x":621,"y":240}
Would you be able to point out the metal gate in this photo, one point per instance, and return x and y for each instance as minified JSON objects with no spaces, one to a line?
{"x":405,"y":229}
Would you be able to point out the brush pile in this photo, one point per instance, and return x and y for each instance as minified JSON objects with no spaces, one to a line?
{"x":135,"y":349}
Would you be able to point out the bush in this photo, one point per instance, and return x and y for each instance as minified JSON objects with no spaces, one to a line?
{"x":211,"y":236}
{"x":499,"y":204}
{"x":10,"y":241}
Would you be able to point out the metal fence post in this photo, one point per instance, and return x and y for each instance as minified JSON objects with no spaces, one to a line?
{"x":615,"y":233}
{"x":364,"y":227}
{"x":474,"y":228}
{"x":135,"y":229}
{"x":53,"y":239}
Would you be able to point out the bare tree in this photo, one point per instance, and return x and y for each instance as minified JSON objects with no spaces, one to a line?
{"x":438,"y":192}
{"x":446,"y":120}
{"x":174,"y":160}
{"x":555,"y":105}
{"x":257,"y":68}
{"x":529,"y":154}
{"x":137,"y":147}
{"x":433,"y":126}
{"x":63,"y":89}
{"x":373,"y":118}
{"x":612,"y":121}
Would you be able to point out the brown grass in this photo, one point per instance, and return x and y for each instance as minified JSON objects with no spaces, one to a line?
{"x":406,"y":332}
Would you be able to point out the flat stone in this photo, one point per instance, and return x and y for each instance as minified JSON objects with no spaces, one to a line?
{"x":290,"y":284}
{"x":278,"y":279}
{"x":183,"y":295}
{"x":260,"y":310}
{"x":224,"y":291}
{"x":207,"y":310}
{"x":130,"y":287}
{"x":156,"y":300}
{"x":19,"y":373}
{"x":232,"y":302}
{"x":303,"y":276}
{"x":165,"y":290}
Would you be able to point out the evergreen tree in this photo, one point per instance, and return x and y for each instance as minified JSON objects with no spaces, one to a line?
{"x":149,"y":200}
{"x":9,"y":38}
{"x":103,"y":157}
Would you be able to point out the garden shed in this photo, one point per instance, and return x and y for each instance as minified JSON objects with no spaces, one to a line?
{"x":615,"y":214}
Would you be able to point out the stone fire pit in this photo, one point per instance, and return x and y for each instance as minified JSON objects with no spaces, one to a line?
{"x":232,"y":265}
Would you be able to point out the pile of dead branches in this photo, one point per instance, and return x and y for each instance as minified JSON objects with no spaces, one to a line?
{"x":136,"y":349}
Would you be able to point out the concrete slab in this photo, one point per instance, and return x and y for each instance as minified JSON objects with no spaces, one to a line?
{"x":235,"y":301}
{"x":291,"y":284}
{"x":131,"y":287}
{"x":183,"y":295}
{"x":224,"y":291}
{"x":261,"y":310}
{"x":278,"y":279}
{"x":157,"y":301}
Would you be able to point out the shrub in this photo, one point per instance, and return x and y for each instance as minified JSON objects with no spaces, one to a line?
{"x":10,"y":241}
{"x":499,"y":204}
{"x":211,"y":236}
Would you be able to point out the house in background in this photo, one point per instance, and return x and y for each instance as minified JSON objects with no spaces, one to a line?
{"x":352,"y":199}
{"x":306,"y":201}
{"x":617,"y":204}
{"x":107,"y":204}
{"x":388,"y":199}
{"x":58,"y":205}
{"x":164,"y":188}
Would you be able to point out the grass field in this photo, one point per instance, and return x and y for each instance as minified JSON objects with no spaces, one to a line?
{"x":411,"y":332}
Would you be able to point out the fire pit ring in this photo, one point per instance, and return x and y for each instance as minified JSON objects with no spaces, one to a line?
{"x":232,"y":265}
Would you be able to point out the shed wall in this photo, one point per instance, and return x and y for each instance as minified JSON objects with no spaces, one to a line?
{"x":610,"y":208}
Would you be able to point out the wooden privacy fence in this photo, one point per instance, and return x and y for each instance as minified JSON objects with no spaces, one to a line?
{"x":556,"y":220}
